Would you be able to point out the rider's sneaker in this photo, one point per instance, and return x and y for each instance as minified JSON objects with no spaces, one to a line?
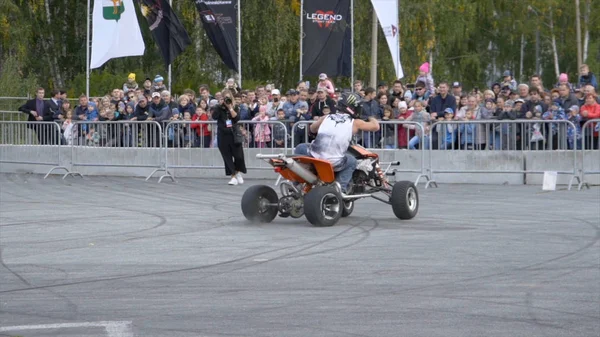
{"x":233,"y":181}
{"x":239,"y":178}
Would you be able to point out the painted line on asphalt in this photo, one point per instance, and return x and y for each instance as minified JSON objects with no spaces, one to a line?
{"x":113,"y":328}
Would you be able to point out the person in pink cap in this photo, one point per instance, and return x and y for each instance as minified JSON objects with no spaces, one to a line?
{"x":563,"y":78}
{"x":326,"y":84}
{"x":425,"y":77}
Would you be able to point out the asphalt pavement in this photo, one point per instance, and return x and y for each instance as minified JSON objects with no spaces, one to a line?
{"x":122,"y":257}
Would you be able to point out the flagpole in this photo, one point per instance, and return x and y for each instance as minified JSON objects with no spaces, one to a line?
{"x":399,"y":65}
{"x":87,"y":52}
{"x":171,"y":5}
{"x":301,"y":34}
{"x":239,"y":19}
{"x":352,"y":44}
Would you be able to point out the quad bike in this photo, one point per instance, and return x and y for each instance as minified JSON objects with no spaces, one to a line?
{"x":309,"y":189}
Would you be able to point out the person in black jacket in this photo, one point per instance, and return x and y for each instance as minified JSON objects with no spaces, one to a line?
{"x":37,"y":110}
{"x":227,"y":117}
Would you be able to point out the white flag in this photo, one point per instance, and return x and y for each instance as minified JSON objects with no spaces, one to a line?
{"x":116,"y":32}
{"x":387,"y":13}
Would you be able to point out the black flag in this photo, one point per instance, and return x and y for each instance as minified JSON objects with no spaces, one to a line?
{"x":219,"y":19}
{"x":327,"y":39}
{"x":168,"y":31}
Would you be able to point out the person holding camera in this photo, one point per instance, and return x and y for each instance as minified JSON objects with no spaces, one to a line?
{"x":230,"y":138}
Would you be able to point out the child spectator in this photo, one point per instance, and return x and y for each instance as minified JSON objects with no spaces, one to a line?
{"x":400,"y":108}
{"x":388,"y":130}
{"x":159,"y":85}
{"x":404,"y":134}
{"x":421,"y":117}
{"x":280,"y":132}
{"x":508,"y":82}
{"x":587,"y":77}
{"x":203,"y":130}
{"x":556,"y":112}
{"x":488,"y":110}
{"x":187,"y":133}
{"x":446,"y":131}
{"x":147,"y":86}
{"x":563,"y":78}
{"x":262,"y":131}
{"x":574,"y":134}
{"x":129,"y":130}
{"x":467,"y":131}
{"x":131,"y":84}
{"x":499,"y":137}
{"x":326,"y":84}
{"x":425,"y":77}
{"x":69,"y":132}
{"x":534,"y":131}
{"x":591,"y":110}
{"x":184,"y":104}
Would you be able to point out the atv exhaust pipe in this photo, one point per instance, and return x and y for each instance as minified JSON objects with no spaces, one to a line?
{"x":293,"y":166}
{"x":301,"y":172}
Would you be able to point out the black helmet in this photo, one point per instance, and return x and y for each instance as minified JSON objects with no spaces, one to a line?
{"x":350,"y":103}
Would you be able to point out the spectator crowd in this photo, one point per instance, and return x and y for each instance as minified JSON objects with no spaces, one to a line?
{"x":425,"y":112}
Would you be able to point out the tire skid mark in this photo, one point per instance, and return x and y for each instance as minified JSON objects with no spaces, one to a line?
{"x":203,"y":267}
{"x":71,"y":306}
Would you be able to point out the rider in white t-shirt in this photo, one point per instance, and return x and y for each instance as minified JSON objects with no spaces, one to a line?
{"x":334,"y":134}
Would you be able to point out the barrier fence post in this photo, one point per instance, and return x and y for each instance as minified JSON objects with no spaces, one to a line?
{"x":128,"y":140}
{"x":525,"y":139}
{"x":15,"y":133}
{"x":588,"y":126}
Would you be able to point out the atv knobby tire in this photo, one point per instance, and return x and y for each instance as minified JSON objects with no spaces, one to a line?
{"x":348,"y":208}
{"x":405,"y":200}
{"x":323,"y":206}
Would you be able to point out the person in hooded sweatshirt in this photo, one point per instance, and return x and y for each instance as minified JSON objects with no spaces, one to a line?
{"x":141,"y":109}
{"x":159,"y":112}
{"x":587,"y":77}
{"x":141,"y":113}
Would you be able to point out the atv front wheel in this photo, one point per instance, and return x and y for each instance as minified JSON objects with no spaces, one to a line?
{"x":405,"y":200}
{"x":323,"y":206}
{"x":257,"y":204}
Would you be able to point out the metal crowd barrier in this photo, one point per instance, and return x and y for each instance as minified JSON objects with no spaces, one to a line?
{"x":486,"y":146}
{"x":589,"y":141}
{"x":182,"y":138}
{"x":133,"y":141}
{"x":392,"y":135}
{"x":24,"y":135}
{"x":526,"y":136}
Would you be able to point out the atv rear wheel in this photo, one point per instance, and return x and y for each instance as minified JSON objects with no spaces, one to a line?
{"x":405,"y":200}
{"x":257,"y":204}
{"x":323,"y":206}
{"x":347,"y":209}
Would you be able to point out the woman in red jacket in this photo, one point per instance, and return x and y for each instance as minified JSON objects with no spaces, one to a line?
{"x":203,"y":130}
{"x":591,"y":110}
